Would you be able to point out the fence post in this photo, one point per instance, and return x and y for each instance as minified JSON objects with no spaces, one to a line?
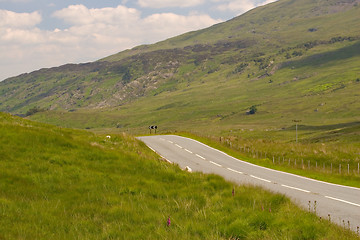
{"x":340,"y":168}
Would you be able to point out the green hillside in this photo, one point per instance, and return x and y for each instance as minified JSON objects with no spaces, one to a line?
{"x":57,"y":183}
{"x":290,"y":59}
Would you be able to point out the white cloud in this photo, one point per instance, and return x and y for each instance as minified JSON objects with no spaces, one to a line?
{"x":80,"y":15}
{"x":240,"y":6}
{"x":19,"y":20}
{"x":266,"y":2}
{"x":169,"y":24}
{"x":93,"y":34}
{"x":21,"y":36}
{"x":237,"y":6}
{"x":122,"y":25}
{"x":15,"y":1}
{"x":169,"y":3}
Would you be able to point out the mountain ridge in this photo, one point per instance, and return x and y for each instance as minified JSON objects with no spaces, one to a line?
{"x":264,"y":51}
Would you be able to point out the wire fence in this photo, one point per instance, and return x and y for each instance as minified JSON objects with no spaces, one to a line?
{"x":344,"y":168}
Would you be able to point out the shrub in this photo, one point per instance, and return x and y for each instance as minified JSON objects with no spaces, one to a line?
{"x":241,"y":67}
{"x":297,"y":53}
{"x":252,"y":109}
{"x":33,"y":110}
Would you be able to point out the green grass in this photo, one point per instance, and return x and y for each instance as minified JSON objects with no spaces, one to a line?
{"x":59,"y":183}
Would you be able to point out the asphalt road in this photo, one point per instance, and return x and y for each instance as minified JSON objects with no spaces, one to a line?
{"x":341,"y":202}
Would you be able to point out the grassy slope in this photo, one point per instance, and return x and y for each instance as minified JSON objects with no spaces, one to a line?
{"x":58,"y":183}
{"x":209,"y":93}
{"x":307,"y":87}
{"x":282,"y":23}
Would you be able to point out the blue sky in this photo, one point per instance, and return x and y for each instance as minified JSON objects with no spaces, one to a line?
{"x":36,"y":34}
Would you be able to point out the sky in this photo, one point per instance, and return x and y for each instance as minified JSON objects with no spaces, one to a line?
{"x":37,"y":34}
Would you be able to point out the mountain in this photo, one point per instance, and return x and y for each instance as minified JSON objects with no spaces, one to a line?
{"x":290,"y":59}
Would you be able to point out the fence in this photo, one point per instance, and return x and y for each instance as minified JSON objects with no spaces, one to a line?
{"x":300,"y":163}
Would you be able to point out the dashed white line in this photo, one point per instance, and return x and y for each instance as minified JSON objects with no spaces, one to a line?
{"x":178,"y":146}
{"x":200,"y":156}
{"x":162,"y":139}
{"x":295,"y":188}
{"x":340,"y":200}
{"x":261,"y":179}
{"x":269,"y":169}
{"x":170,"y":141}
{"x":188,"y":151}
{"x":235,"y":171}
{"x":215,"y":164}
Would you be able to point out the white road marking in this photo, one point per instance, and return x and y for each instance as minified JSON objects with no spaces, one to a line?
{"x":170,"y":141}
{"x":262,"y":179}
{"x":152,"y":149}
{"x":235,"y":171}
{"x":188,"y":151}
{"x":200,"y":156}
{"x":162,"y":139}
{"x":269,"y":169}
{"x":188,"y":169}
{"x":215,"y":164}
{"x":166,"y":159}
{"x":178,"y":146}
{"x":340,"y":200}
{"x":299,"y":189}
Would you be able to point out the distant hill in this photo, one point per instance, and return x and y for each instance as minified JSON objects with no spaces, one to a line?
{"x":289,"y":59}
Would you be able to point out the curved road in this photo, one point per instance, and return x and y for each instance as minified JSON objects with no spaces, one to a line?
{"x":341,"y":202}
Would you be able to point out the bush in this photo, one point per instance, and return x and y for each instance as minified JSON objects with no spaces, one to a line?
{"x":297,"y":53}
{"x":240,"y":67}
{"x":33,"y":110}
{"x":252,"y":109}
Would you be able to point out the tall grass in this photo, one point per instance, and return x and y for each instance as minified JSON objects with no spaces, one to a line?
{"x":58,"y":183}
